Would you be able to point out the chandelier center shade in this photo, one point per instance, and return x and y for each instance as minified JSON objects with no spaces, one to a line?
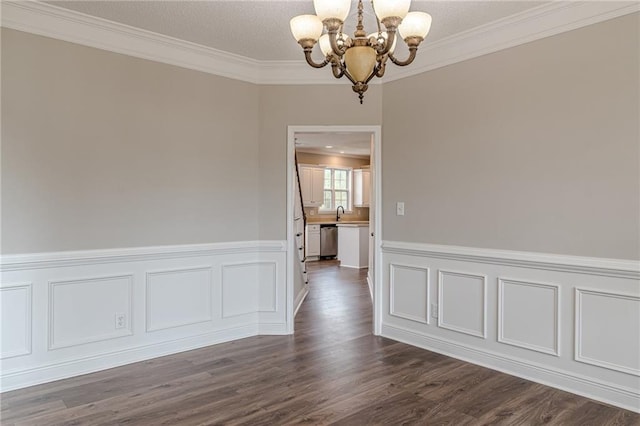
{"x":362,"y":57}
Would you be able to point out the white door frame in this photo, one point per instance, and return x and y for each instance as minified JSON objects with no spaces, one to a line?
{"x":291,"y":249}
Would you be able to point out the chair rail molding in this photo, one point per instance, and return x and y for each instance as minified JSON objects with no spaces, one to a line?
{"x":618,"y":268}
{"x":16,"y":262}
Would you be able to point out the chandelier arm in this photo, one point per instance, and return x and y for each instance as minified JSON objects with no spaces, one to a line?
{"x":386,"y":46}
{"x":333,"y":40}
{"x":373,"y":74}
{"x":307,"y":56}
{"x":337,"y":69}
{"x":412,"y":55}
{"x":373,"y":7}
{"x":351,"y":79}
{"x":382,"y":68}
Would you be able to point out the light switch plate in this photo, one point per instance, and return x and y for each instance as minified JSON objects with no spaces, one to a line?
{"x":400,"y":208}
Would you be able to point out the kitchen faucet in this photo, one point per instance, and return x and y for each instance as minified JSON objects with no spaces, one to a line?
{"x":338,"y":213}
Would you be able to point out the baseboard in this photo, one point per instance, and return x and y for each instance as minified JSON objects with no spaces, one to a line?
{"x":63,"y":370}
{"x":300,"y":298}
{"x":275,"y":329}
{"x":588,"y":387}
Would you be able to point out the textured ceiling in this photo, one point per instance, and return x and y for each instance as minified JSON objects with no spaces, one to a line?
{"x":347,"y":143}
{"x":260,"y":29}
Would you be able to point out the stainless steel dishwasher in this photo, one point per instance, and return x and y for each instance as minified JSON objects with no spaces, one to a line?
{"x":328,"y":240}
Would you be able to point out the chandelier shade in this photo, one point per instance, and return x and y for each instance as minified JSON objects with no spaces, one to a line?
{"x":306,"y":27}
{"x":362,"y":57}
{"x":332,"y":9}
{"x":391,"y":8}
{"x":415,"y":24}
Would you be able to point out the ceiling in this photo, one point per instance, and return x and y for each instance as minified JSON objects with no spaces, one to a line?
{"x":353,"y":144}
{"x":260,"y":29}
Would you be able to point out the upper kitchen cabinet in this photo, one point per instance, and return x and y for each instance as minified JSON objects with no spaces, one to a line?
{"x":312,"y":183}
{"x":361,"y":187}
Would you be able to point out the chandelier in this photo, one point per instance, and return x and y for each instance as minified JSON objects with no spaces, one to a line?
{"x":361,"y":57}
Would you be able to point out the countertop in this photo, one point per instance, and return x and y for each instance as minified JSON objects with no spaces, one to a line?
{"x":342,"y":222}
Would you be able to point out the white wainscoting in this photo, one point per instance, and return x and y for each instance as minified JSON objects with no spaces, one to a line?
{"x":15,"y":320}
{"x":82,"y":311}
{"x":176,"y":298}
{"x":528,"y":315}
{"x":462,"y":301}
{"x":71,"y":313}
{"x":409,"y":292}
{"x":243,"y":292}
{"x":597,"y":314}
{"x":568,"y":322}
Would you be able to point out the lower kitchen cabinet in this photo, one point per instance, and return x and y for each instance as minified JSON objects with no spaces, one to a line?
{"x":353,"y":245}
{"x":312,"y":242}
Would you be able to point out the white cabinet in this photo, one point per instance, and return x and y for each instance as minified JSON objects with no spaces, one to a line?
{"x":312,"y":242}
{"x":312,"y":184}
{"x":361,"y":187}
{"x":353,"y":245}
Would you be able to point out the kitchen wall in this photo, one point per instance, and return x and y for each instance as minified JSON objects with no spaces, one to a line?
{"x":331,"y":160}
{"x":532,"y":148}
{"x":101,"y":150}
{"x":282,"y":106}
{"x":358,"y":213}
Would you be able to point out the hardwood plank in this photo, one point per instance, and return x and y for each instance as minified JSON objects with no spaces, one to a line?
{"x":404,"y":408}
{"x":13,"y":413}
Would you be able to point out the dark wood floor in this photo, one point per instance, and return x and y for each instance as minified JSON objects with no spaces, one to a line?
{"x":333,"y":371}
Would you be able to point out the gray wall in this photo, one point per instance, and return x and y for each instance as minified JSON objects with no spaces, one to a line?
{"x":101,"y":150}
{"x":533,"y":148}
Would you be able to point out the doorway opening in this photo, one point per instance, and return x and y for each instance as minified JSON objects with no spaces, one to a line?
{"x":333,"y":207}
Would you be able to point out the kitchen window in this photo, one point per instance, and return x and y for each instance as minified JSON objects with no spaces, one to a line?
{"x":337,"y":189}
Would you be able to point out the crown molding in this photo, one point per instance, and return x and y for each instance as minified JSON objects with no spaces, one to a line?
{"x":75,"y":27}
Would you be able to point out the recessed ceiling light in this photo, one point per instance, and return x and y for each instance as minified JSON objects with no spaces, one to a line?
{"x":328,"y":146}
{"x":341,"y":152}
